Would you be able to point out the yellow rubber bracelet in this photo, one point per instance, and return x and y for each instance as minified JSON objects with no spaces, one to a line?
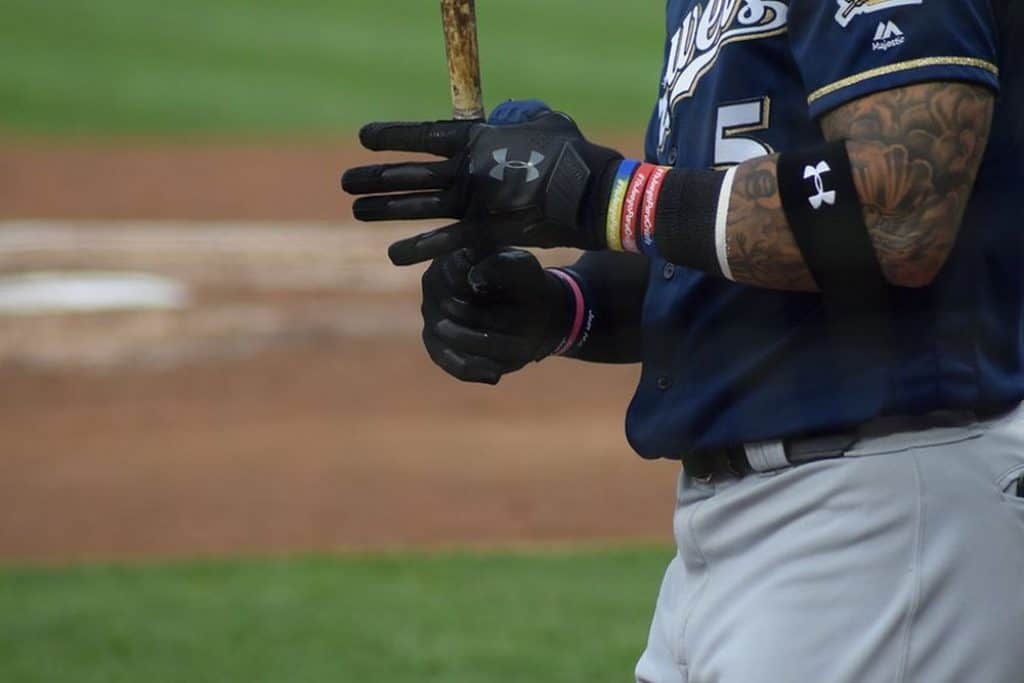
{"x":613,"y":225}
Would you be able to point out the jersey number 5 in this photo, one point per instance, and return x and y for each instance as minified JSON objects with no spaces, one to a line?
{"x":735,"y":120}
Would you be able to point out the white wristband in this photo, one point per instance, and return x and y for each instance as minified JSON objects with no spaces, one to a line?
{"x":722,"y":223}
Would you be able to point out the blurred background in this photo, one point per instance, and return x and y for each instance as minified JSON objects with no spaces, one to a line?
{"x":223,"y":453}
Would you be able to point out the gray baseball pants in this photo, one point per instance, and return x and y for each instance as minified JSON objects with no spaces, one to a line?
{"x":901,"y":562}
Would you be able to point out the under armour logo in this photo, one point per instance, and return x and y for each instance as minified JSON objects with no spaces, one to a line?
{"x":822,"y":197}
{"x":501,"y":156}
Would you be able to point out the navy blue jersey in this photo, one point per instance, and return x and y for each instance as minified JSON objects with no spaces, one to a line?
{"x":725,"y":363}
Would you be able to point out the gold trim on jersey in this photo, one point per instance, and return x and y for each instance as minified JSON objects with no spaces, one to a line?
{"x":900,"y":67}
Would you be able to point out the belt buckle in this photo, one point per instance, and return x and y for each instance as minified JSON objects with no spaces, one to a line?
{"x":699,"y":469}
{"x":736,"y":462}
{"x":724,"y":462}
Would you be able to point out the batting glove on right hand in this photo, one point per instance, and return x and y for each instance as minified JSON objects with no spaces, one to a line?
{"x":486,"y":320}
{"x":533,"y":184}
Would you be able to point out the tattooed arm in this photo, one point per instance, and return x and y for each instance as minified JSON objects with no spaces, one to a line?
{"x":915,"y":153}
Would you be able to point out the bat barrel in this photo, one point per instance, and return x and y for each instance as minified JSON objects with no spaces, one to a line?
{"x":463,"y":52}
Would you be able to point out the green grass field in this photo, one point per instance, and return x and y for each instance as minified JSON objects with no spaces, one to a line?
{"x":558,"y":616}
{"x":253,"y":67}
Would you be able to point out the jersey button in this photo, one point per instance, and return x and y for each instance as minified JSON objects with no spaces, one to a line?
{"x":664,"y":383}
{"x":669,"y":271}
{"x":672,"y":156}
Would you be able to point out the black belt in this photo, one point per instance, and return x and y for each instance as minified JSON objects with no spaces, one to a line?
{"x":733,"y":461}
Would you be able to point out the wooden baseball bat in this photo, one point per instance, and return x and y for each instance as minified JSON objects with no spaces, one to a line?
{"x":463,"y":52}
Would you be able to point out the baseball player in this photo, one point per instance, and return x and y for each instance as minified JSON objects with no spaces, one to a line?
{"x":820,"y":265}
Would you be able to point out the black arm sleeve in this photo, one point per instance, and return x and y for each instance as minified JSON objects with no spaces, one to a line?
{"x":616,"y":284}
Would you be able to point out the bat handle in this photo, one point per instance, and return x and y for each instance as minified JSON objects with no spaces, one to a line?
{"x":482,"y":246}
{"x":463,"y":55}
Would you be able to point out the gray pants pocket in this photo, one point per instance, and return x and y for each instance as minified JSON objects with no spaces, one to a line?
{"x":1011,"y":488}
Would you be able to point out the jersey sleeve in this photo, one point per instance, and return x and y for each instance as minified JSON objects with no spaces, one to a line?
{"x":846,"y":49}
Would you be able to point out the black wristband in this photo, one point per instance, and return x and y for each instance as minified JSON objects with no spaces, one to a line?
{"x":825,"y":215}
{"x":686,"y":216}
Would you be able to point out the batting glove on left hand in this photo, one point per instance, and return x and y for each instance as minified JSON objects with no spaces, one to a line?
{"x":484,"y":320}
{"x":539,"y":184}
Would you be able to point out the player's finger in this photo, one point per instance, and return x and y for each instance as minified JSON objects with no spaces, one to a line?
{"x":455,"y":268}
{"x":501,"y":347}
{"x":399,"y":177}
{"x":434,"y":291}
{"x":405,"y":207}
{"x":462,"y":366}
{"x":443,"y":138}
{"x":446,"y":277}
{"x":512,"y":272}
{"x":430,"y":245}
{"x":481,"y":315}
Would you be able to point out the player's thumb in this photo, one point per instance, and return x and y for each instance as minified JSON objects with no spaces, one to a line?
{"x":508,"y":274}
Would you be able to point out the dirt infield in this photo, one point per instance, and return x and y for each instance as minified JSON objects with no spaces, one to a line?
{"x":161,"y":180}
{"x":288,"y":406}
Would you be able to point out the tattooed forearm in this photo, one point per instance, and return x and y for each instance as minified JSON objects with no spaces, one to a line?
{"x":915,"y":153}
{"x":761,"y":248}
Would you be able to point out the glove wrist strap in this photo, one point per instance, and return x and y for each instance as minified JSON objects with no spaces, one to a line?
{"x":582,"y":315}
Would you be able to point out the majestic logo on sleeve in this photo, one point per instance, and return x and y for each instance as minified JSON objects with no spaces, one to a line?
{"x":823,"y":197}
{"x":703,"y":32}
{"x":887,"y":36}
{"x":850,"y":9}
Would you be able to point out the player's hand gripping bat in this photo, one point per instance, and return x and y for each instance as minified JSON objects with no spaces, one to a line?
{"x":536,"y":183}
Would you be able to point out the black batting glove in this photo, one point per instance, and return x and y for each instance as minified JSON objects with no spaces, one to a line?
{"x":539,"y":184}
{"x":483,"y":321}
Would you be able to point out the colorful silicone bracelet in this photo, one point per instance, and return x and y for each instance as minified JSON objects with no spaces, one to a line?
{"x":616,"y":200}
{"x":632,"y":206}
{"x":579,"y":312}
{"x":648,"y":213}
